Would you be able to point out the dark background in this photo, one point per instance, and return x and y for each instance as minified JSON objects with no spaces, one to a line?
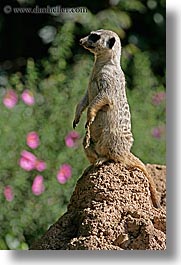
{"x":19,"y":39}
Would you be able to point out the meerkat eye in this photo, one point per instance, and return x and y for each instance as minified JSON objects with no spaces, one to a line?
{"x":94,"y":37}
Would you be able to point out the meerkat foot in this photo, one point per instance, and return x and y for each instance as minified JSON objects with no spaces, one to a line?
{"x":100,"y":161}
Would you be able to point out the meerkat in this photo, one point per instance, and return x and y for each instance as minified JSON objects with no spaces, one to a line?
{"x":108,"y":127}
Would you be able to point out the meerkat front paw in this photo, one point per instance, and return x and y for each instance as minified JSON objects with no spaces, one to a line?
{"x":75,"y":122}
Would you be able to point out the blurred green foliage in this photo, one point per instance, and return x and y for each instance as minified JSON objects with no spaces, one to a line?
{"x":58,"y":82}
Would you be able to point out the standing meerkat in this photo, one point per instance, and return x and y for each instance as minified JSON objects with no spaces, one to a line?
{"x":108,"y":127}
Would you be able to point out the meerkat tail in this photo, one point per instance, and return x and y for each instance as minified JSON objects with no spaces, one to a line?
{"x":132,"y":161}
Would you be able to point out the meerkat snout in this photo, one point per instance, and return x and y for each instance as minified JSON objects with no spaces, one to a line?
{"x":81,"y":41}
{"x":90,"y":41}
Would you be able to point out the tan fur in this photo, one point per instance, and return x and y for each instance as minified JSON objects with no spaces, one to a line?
{"x":108,"y":127}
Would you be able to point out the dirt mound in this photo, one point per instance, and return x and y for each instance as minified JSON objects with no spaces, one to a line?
{"x":111,"y":209}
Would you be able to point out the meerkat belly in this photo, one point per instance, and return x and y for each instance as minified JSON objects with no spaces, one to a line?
{"x":115,"y":131}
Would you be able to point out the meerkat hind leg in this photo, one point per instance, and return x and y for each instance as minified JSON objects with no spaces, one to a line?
{"x":90,"y":152}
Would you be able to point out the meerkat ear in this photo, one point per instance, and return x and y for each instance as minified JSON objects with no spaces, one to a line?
{"x":111,"y":42}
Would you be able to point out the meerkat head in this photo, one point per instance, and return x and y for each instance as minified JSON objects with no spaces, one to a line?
{"x":102,"y":41}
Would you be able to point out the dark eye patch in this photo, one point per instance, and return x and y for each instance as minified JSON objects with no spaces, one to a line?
{"x":94,"y":37}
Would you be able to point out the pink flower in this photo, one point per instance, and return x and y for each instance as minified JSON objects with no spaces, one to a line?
{"x":8,"y":193}
{"x":71,"y":139}
{"x":158,"y":132}
{"x":38,"y":185}
{"x":40,"y":165}
{"x":32,"y":140}
{"x":10,"y":99}
{"x":27,"y":97}
{"x":27,"y":160}
{"x":64,"y":173}
{"x":158,"y":98}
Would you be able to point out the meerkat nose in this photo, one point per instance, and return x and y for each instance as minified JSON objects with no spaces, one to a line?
{"x":80,"y":41}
